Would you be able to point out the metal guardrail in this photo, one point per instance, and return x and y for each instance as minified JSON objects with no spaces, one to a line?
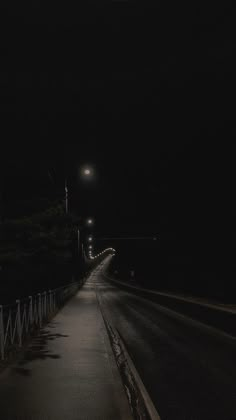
{"x":18,"y":321}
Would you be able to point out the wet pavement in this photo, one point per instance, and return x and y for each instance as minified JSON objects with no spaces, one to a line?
{"x":187,"y":367}
{"x":68,"y":371}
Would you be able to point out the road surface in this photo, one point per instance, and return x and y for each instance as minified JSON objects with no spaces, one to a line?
{"x":188,"y":370}
{"x":68,"y":371}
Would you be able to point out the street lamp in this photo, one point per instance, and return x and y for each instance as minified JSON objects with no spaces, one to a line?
{"x":87,"y":172}
{"x":90,"y":238}
{"x":89,"y":222}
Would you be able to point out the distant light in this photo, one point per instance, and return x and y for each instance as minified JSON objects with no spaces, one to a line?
{"x":87,"y":172}
{"x":90,"y":238}
{"x":90,"y":221}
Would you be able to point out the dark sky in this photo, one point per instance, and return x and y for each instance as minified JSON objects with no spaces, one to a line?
{"x":140,"y":91}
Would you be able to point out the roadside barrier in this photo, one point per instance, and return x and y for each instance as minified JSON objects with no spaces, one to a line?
{"x":20,"y":320}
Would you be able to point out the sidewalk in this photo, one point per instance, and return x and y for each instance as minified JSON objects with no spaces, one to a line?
{"x":69,"y":371}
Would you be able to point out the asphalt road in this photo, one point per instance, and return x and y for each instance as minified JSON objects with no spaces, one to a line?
{"x":188,"y":369}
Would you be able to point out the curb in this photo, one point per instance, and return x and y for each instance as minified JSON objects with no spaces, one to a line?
{"x":152,"y":412}
{"x":140,"y":402}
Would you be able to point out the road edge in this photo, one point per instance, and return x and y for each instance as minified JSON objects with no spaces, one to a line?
{"x":139,"y":400}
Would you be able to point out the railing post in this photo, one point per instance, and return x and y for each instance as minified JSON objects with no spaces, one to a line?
{"x":1,"y":333}
{"x":25,"y":319}
{"x":44,"y":304}
{"x":30,"y":310}
{"x":53,"y":306}
{"x":54,"y":301}
{"x":50,"y":301}
{"x":19,"y":327}
{"x":40,"y":309}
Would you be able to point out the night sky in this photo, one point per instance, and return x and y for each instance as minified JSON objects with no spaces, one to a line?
{"x":139,"y":91}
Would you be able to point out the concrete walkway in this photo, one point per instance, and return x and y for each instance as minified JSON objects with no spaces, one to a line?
{"x":69,"y":371}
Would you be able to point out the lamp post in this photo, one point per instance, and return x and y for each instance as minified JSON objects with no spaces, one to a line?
{"x":86,"y":172}
{"x":78,"y":241}
{"x":66,"y":196}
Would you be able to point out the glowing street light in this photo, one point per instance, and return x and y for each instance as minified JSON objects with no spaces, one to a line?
{"x":90,"y":222}
{"x":90,"y":238}
{"x":87,"y":172}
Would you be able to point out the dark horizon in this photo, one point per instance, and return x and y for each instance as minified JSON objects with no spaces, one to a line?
{"x":142,"y":93}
